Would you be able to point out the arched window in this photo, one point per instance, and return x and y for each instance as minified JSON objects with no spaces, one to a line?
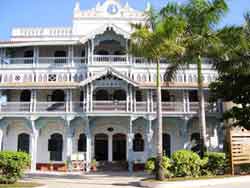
{"x":25,"y":96}
{"x":166,"y":144}
{"x":101,"y":95}
{"x":119,"y":95}
{"x":55,"y":146}
{"x":82,"y":146}
{"x":23,"y":142}
{"x":138,"y":143}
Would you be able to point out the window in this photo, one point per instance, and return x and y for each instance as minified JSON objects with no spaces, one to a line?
{"x":25,"y":96}
{"x":82,"y":147}
{"x":196,"y":140}
{"x":55,"y":146}
{"x":120,"y":95}
{"x":138,"y":96}
{"x":138,"y":143}
{"x":28,"y":57}
{"x":193,"y":96}
{"x":101,"y":95}
{"x":23,"y":142}
{"x":60,"y":57}
{"x":165,"y":96}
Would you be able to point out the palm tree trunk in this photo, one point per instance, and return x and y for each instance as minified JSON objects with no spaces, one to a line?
{"x":202,"y":114}
{"x":158,"y":166}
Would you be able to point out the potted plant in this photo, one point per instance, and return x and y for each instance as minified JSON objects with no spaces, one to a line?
{"x":93,"y":165}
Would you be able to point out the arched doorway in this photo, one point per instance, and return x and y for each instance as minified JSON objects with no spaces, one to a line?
{"x":119,"y":147}
{"x":166,"y":144}
{"x":101,"y":147}
{"x":55,"y":147}
{"x":23,"y":142}
{"x":25,"y":96}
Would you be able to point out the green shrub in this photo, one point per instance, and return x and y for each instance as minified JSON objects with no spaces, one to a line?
{"x":186,"y":163}
{"x":12,"y":165}
{"x":245,"y":168}
{"x":215,"y":163}
{"x":166,"y":163}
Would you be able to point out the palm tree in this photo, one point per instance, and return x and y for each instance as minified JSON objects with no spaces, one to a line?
{"x":200,"y":40}
{"x":153,"y":40}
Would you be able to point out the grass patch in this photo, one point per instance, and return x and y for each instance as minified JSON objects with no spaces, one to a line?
{"x":20,"y":185}
{"x":192,"y":178}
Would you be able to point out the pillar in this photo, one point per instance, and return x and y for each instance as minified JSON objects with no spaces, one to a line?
{"x":1,"y":140}
{"x":110,"y":148}
{"x":92,"y":49}
{"x":150,"y":134}
{"x":34,"y":139}
{"x":130,"y":145}
{"x":0,"y":101}
{"x":88,"y":144}
{"x":69,"y":141}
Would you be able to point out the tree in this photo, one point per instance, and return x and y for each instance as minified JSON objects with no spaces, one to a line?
{"x":153,"y":40}
{"x":199,"y":39}
{"x":233,"y":65}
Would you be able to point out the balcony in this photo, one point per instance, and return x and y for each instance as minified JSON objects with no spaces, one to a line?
{"x":103,"y":106}
{"x":45,"y":62}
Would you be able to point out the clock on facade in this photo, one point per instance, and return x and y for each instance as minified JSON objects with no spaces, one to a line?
{"x":112,"y":9}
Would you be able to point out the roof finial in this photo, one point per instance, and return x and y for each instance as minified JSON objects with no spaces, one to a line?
{"x":77,"y":6}
{"x":148,"y":6}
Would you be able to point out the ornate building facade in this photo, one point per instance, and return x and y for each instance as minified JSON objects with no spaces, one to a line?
{"x":76,"y":91}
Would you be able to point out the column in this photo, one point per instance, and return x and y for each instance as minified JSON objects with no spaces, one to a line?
{"x":92,"y":49}
{"x":35,"y":56}
{"x":88,"y":144}
{"x":1,"y":139}
{"x":90,"y":97}
{"x":148,"y":100}
{"x":67,"y":100}
{"x":34,"y":101}
{"x":34,"y":139}
{"x":70,"y":100}
{"x":130,"y":145}
{"x":89,"y":52}
{"x":110,"y":148}
{"x":0,"y":101}
{"x":149,"y":138}
{"x":184,"y":100}
{"x":127,"y":98}
{"x":185,"y":133}
{"x":69,"y":142}
{"x":187,"y":101}
{"x":87,"y":97}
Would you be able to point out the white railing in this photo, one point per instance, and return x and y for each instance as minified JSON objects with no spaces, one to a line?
{"x":40,"y":32}
{"x":78,"y":106}
{"x":54,"y":61}
{"x":210,"y":107}
{"x":15,"y":107}
{"x":172,"y":107}
{"x":50,"y":107}
{"x":17,"y":60}
{"x":80,"y":60}
{"x":141,"y":106}
{"x":110,"y":58}
{"x":109,"y":106}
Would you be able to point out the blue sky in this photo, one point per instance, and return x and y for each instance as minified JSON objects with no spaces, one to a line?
{"x":35,"y":13}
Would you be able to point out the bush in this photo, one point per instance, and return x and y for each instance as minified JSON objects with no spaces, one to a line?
{"x":215,"y":163}
{"x":186,"y":163}
{"x":12,"y":165}
{"x":166,"y":163}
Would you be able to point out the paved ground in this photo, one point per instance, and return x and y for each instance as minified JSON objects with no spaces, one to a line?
{"x":233,"y":185}
{"x":107,"y":180}
{"x":110,"y":180}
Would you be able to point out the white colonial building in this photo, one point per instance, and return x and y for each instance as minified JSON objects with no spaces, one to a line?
{"x":76,"y":90}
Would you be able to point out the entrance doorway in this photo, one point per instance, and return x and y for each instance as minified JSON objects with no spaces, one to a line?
{"x":119,"y":147}
{"x":101,"y":147}
{"x":55,"y":147}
